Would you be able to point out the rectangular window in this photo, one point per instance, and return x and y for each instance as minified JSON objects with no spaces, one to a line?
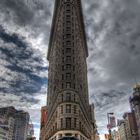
{"x":56,"y":113}
{"x":61,"y":109}
{"x":68,"y":134}
{"x":68,"y":76}
{"x":68,"y":23}
{"x":68,"y":59}
{"x":68,"y":85}
{"x":81,"y":87}
{"x":68,"y":96}
{"x":73,"y":59}
{"x":73,"y":50}
{"x":74,"y":86}
{"x":68,"y":11}
{"x":62,"y":97}
{"x":68,"y":35}
{"x":73,"y":68}
{"x":74,"y":76}
{"x":62,"y":77}
{"x":75,"y":122}
{"x":68,"y":29}
{"x":61,"y":123}
{"x":68,"y":67}
{"x":62,"y":68}
{"x":68,"y":43}
{"x":68,"y":16}
{"x":68,"y":108}
{"x":75,"y":109}
{"x":55,"y":126}
{"x":64,"y":36}
{"x":68,"y":122}
{"x":68,"y":5}
{"x":68,"y":50}
{"x":63,"y":59}
{"x":62,"y":51}
{"x":80,"y":125}
{"x":74,"y":98}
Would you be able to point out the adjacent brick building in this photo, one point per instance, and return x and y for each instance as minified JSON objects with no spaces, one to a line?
{"x":43,"y":121}
{"x":20,"y":122}
{"x":130,"y":126}
{"x":135,"y":107}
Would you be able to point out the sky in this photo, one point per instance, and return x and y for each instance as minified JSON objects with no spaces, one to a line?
{"x":113,"y":37}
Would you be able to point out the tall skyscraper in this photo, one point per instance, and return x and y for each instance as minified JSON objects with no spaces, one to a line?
{"x":68,"y":110}
{"x":6,"y":128}
{"x":135,"y":107}
{"x":20,"y":122}
{"x":21,"y":125}
{"x":122,"y":129}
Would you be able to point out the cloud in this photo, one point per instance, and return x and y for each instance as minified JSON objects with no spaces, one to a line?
{"x":113,"y":64}
{"x":20,"y":66}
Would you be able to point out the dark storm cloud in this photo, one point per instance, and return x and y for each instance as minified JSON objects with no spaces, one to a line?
{"x":27,"y":16}
{"x":27,"y":99}
{"x":24,"y":12}
{"x":114,"y":57}
{"x":7,"y":38}
{"x":21,"y":12}
{"x":22,"y":61}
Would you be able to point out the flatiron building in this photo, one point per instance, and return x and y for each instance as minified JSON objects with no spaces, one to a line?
{"x":68,"y":110}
